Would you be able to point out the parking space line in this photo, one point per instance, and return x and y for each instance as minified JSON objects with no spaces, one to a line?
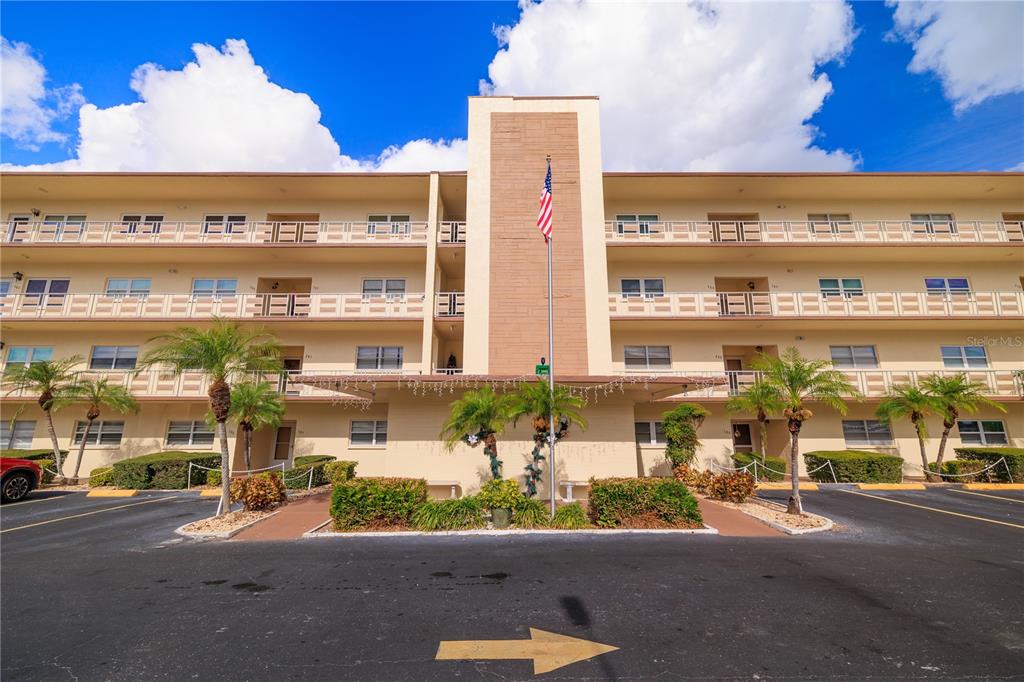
{"x":991,"y":497}
{"x":97,"y":511}
{"x":934,"y":509}
{"x":38,"y":499}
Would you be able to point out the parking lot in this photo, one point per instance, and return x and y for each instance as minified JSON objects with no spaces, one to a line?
{"x":95,"y":589}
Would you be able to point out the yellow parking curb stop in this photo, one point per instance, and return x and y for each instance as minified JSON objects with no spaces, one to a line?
{"x":891,"y":486}
{"x":994,"y":486}
{"x":112,"y":492}
{"x":786,"y":486}
{"x":209,"y":492}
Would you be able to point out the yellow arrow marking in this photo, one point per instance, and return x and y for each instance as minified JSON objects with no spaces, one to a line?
{"x":548,"y":650}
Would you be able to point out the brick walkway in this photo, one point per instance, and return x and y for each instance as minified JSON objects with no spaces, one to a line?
{"x":732,"y":523}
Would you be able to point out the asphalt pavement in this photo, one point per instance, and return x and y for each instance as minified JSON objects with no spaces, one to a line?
{"x":898,"y":592}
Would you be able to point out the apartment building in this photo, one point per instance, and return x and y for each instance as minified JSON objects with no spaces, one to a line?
{"x":393,"y":293}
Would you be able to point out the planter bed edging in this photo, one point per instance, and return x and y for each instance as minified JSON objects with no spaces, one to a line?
{"x":792,"y":531}
{"x":223,"y":534}
{"x":315,"y":533}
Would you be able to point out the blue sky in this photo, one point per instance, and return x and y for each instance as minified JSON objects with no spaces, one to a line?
{"x":382,"y":74}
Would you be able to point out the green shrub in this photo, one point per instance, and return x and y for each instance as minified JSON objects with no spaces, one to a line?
{"x":167,"y":470}
{"x":213,"y":477}
{"x":101,"y":476}
{"x":742,"y":459}
{"x":501,"y":494}
{"x":855,"y":466}
{"x":681,"y":424}
{"x":732,"y":486}
{"x":376,"y":502}
{"x":1014,"y":458}
{"x":642,"y":503}
{"x":339,"y":472}
{"x":961,"y":470}
{"x":457,"y":514}
{"x":298,"y":475}
{"x":530,"y":513}
{"x":41,"y":453}
{"x":47,"y":466}
{"x":259,"y":492}
{"x":570,"y":516}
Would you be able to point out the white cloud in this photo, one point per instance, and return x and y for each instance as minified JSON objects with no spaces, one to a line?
{"x":222,"y":112}
{"x":29,"y":108}
{"x":973,"y":47}
{"x":703,"y":86}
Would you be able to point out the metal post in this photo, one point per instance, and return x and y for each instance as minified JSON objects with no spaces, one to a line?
{"x":551,"y":385}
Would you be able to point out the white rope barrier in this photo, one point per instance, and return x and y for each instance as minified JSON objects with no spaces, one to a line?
{"x":1001,"y":460}
{"x":755,"y":464}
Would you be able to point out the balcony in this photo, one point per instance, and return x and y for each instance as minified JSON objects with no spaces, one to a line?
{"x":450,"y":304}
{"x":802,"y":232}
{"x":811,"y":304}
{"x":451,"y":233}
{"x":197,"y":233}
{"x":188,"y":307}
{"x":872,"y":383}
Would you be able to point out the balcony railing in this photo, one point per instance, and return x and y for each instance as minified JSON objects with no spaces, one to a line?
{"x":709,"y":304}
{"x":450,"y":304}
{"x":184,"y":233}
{"x":451,"y":232}
{"x":872,"y":383}
{"x":188,"y":306}
{"x":786,"y":231}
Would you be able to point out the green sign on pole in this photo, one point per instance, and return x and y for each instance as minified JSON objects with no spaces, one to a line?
{"x":542,"y":370}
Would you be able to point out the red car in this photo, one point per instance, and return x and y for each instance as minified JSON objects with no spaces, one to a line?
{"x":18,"y":477}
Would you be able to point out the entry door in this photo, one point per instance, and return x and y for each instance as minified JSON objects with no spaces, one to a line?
{"x":291,"y":366}
{"x":733,"y":366}
{"x":284,"y":439}
{"x":742,"y":437}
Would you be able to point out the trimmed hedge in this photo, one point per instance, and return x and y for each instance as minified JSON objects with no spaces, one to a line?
{"x":960,"y":470}
{"x":642,"y":503}
{"x":339,"y":472}
{"x":101,"y":476}
{"x":855,"y":466}
{"x":41,"y":453}
{"x":213,"y":478}
{"x":1014,"y":457}
{"x":168,"y":470}
{"x":298,"y":476}
{"x":376,"y":502}
{"x":742,"y":459}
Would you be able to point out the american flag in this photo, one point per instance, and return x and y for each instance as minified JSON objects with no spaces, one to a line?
{"x":544,"y":217}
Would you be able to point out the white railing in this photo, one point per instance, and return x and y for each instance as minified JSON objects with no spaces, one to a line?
{"x":872,"y":383}
{"x":450,"y":304}
{"x":446,"y":370}
{"x":451,"y":232}
{"x":814,"y":304}
{"x":201,"y":232}
{"x":782,"y":231}
{"x":188,"y":306}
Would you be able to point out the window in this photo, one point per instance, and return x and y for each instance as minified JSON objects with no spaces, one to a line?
{"x":113,"y":357}
{"x":649,"y":433}
{"x":846,"y":287}
{"x":28,"y":355}
{"x":384,"y":223}
{"x":632,"y":222}
{"x":379,"y":287}
{"x":214,"y":287}
{"x":141,"y":222}
{"x":853,"y":357}
{"x":128,"y":287}
{"x":866,"y":432}
{"x":643,"y":287}
{"x":17,"y":436}
{"x":101,"y":433}
{"x":379,"y":357}
{"x":830,"y":222}
{"x":57,"y":223}
{"x":964,"y":357}
{"x":223,"y":224}
{"x":189,"y":433}
{"x":930,"y":223}
{"x":47,"y":287}
{"x":5,"y":286}
{"x":648,"y":357}
{"x":368,"y":432}
{"x":947,"y":285}
{"x":982,"y":432}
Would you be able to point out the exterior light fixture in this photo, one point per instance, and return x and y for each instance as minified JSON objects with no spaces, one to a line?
{"x":19,"y":276}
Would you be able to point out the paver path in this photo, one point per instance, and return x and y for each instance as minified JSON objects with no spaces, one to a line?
{"x":732,"y":523}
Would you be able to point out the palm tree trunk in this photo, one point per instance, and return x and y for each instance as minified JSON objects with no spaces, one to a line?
{"x":491,"y":448}
{"x":81,"y":451}
{"x":795,"y":506}
{"x":58,"y":464}
{"x":924,"y":452}
{"x":247,"y":430}
{"x":225,"y":469}
{"x":947,"y":426}
{"x":764,"y":438}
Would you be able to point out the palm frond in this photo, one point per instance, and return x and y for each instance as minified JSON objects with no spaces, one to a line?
{"x":957,"y":393}
{"x":534,"y":399}
{"x":225,"y":352}
{"x":56,"y":379}
{"x":799,"y":379}
{"x":476,"y":411}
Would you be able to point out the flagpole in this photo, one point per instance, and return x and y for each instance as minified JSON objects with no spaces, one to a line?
{"x":551,"y":379}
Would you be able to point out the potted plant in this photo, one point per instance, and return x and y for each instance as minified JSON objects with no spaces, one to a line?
{"x":501,"y":497}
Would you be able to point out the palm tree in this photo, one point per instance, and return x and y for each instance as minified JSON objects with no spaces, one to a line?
{"x":255,"y":405}
{"x":535,"y":399}
{"x":955,"y":394}
{"x":478,"y":415}
{"x":225,"y":353}
{"x":57,"y":384}
{"x":907,"y":400}
{"x":798,"y":381}
{"x":97,"y":394}
{"x":762,"y":398}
